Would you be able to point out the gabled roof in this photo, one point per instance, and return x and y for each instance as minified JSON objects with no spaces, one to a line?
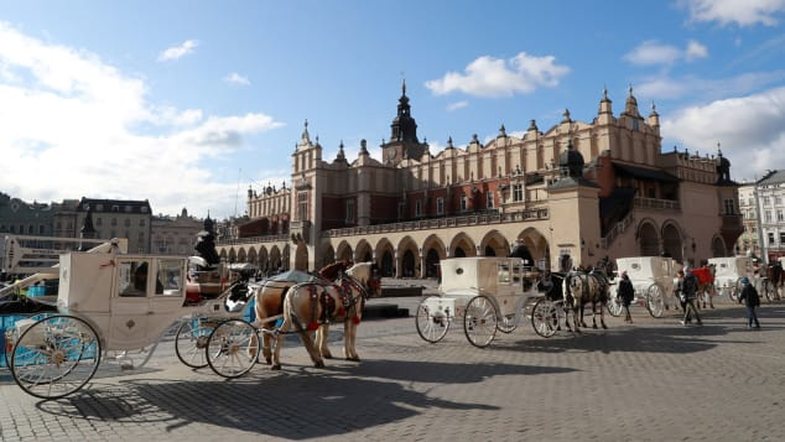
{"x":778,"y":176}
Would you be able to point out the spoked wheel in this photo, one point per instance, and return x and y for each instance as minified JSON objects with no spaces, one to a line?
{"x":191,"y":341}
{"x":232,"y":348}
{"x":507,"y":324}
{"x":55,"y":357}
{"x":768,"y":290}
{"x":431,"y":325}
{"x":480,"y":321}
{"x":615,"y":307}
{"x":655,"y":301}
{"x":545,"y":318}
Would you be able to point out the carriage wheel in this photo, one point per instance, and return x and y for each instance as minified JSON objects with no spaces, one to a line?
{"x":655,"y":301}
{"x":735,"y":291}
{"x":614,"y":305}
{"x":55,"y":357}
{"x":768,"y":290}
{"x":545,"y":318}
{"x":431,"y":326}
{"x":232,"y":348}
{"x":507,"y":324}
{"x":480,"y":321}
{"x":191,"y":341}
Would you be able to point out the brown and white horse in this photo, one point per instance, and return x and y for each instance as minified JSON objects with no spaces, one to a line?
{"x":582,"y":288}
{"x":313,"y":306}
{"x":269,"y":299}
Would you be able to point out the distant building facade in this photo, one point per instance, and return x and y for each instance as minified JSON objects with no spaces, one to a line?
{"x":771,"y":201}
{"x":574,"y":193}
{"x":21,"y":218}
{"x":129,"y":219}
{"x":748,"y":242}
{"x":174,"y":235}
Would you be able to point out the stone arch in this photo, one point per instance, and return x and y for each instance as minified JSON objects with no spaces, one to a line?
{"x":408,"y":258}
{"x":538,"y":246}
{"x":232,"y":256}
{"x":301,"y":257}
{"x":385,"y":257}
{"x":344,"y":252}
{"x":433,"y":251}
{"x":264,"y":259}
{"x":494,"y":244}
{"x":718,"y":247}
{"x":328,"y":254}
{"x":252,"y":257}
{"x":241,"y":256}
{"x":223,"y":255}
{"x":363,"y":252}
{"x":462,"y":245}
{"x":276,"y":265}
{"x":672,"y":243}
{"x":648,"y":238}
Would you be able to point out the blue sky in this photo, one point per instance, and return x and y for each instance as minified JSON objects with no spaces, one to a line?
{"x":185,"y":102}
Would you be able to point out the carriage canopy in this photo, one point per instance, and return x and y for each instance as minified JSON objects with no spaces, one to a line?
{"x":731,"y":267}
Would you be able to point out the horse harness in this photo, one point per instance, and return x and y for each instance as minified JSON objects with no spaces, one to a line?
{"x":329,"y":308}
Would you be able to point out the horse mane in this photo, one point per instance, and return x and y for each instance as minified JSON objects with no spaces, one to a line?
{"x":330,"y":272}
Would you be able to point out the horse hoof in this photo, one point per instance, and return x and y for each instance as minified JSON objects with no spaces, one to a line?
{"x":594,"y":326}
{"x":354,"y":359}
{"x":605,"y":327}
{"x":327,"y":356}
{"x":319,"y":364}
{"x":268,"y":361}
{"x":276,"y":367}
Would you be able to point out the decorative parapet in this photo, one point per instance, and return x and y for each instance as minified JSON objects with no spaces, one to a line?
{"x":441,"y":223}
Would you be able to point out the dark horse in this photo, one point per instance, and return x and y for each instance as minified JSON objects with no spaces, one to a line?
{"x":776,"y":277}
{"x":582,"y":287}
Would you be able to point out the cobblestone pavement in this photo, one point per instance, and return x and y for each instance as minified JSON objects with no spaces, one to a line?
{"x":654,"y":380}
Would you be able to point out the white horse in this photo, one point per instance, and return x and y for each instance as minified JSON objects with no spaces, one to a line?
{"x":313,"y":306}
{"x":581,"y":288}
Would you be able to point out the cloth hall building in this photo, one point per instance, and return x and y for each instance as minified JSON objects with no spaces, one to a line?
{"x":573,"y":194}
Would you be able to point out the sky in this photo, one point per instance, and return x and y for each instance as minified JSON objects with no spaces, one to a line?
{"x":188,"y":103}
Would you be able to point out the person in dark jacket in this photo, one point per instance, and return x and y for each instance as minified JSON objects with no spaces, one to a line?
{"x":749,"y":296}
{"x":627,"y":294}
{"x":687,"y":289}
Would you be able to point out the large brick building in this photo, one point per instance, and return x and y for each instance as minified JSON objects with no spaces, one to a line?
{"x":577,"y":190}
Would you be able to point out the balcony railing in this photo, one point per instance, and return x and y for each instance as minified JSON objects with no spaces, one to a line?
{"x":655,"y":203}
{"x":441,"y":223}
{"x":253,"y":240}
{"x":617,"y":230}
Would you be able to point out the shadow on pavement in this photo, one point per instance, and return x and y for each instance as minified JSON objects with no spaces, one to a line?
{"x":293,"y":405}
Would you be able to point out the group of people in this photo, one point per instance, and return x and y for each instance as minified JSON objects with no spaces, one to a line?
{"x":687,"y":290}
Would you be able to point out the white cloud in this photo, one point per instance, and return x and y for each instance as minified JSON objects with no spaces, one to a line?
{"x":457,"y":105}
{"x":652,"y":52}
{"x":91,"y":131}
{"x":742,"y":13}
{"x":750,"y":129}
{"x":495,"y":77}
{"x":235,"y":78}
{"x":178,"y":51}
{"x":665,"y":87}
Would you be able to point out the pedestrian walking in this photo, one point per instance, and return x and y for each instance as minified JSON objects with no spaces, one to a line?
{"x":627,"y":294}
{"x":687,"y":289}
{"x":749,"y":296}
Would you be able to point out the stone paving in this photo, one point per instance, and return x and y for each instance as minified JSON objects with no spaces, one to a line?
{"x":653,"y":380}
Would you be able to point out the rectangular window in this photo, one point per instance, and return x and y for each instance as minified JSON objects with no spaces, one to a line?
{"x":302,"y":205}
{"x":780,"y":216}
{"x":766,"y":201}
{"x":517,"y":193}
{"x":401,"y":210}
{"x":750,"y":202}
{"x":349,"y":211}
{"x":489,"y":200}
{"x":771,"y":238}
{"x":141,"y":222}
{"x":464,"y":203}
{"x":418,"y":208}
{"x":782,"y":237}
{"x":729,"y":207}
{"x":170,"y":277}
{"x":440,"y":206}
{"x":767,"y":216}
{"x":778,"y":200}
{"x":132,"y":278}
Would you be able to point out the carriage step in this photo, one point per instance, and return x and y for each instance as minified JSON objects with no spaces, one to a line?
{"x":384,"y":311}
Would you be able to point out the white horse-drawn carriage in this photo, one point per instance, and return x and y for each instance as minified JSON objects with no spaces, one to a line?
{"x":728,"y":272}
{"x":113,"y":306}
{"x":488,"y":294}
{"x":652,"y":277}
